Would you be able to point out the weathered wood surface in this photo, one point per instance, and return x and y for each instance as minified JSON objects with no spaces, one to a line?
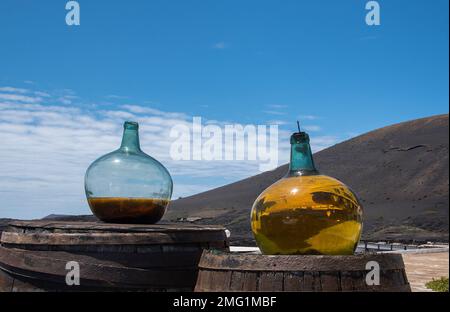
{"x":220,"y":271}
{"x":82,"y":227}
{"x":107,"y":238}
{"x":111,"y":256}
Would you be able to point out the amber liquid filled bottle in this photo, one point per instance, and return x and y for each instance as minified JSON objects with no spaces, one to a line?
{"x":306,"y":212}
{"x":127,"y":185}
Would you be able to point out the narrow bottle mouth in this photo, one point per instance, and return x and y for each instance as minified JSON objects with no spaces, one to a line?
{"x":299,"y":137}
{"x":132,"y":125}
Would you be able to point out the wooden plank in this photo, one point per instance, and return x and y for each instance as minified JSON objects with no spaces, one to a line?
{"x":270,"y":281}
{"x":174,"y":260}
{"x":398,"y":278}
{"x":359,"y":281}
{"x":111,"y":256}
{"x":208,"y":278}
{"x":127,"y":250}
{"x":251,"y":262}
{"x":221,"y":280}
{"x":293,"y":281}
{"x":6,"y":281}
{"x":317,"y":282}
{"x":66,"y":226}
{"x":269,"y":274}
{"x":237,"y":281}
{"x":308,"y":281}
{"x":107,"y":238}
{"x":201,"y":281}
{"x":53,"y":266}
{"x":346,"y":281}
{"x":330,"y":281}
{"x":250,"y":281}
{"x":391,"y":280}
{"x":243,"y":281}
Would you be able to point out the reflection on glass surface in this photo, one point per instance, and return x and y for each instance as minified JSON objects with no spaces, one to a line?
{"x":306,"y":212}
{"x":128,"y":185}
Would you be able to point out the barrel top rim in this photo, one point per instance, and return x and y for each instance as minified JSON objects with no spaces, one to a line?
{"x":217,"y":260}
{"x":114,"y":227}
{"x":249,"y":255}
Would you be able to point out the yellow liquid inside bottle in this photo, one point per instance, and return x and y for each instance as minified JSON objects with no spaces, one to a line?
{"x":311,"y":214}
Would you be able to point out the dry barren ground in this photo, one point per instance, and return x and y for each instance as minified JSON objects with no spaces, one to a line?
{"x":423,"y":267}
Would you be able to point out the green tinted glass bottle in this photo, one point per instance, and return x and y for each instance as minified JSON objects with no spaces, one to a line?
{"x":127,"y":185}
{"x":306,"y":212}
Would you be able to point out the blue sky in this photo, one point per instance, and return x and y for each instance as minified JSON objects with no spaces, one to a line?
{"x":65,"y":91}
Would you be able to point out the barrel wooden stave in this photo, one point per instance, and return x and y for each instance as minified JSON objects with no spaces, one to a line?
{"x":52,"y":267}
{"x":148,"y":257}
{"x":219,"y":271}
{"x":42,"y":226}
{"x":6,"y":282}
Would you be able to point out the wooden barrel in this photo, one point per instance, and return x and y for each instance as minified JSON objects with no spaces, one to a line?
{"x":161,"y":257}
{"x":221,"y":271}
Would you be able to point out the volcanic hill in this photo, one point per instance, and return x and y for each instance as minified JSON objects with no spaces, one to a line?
{"x":400,"y":173}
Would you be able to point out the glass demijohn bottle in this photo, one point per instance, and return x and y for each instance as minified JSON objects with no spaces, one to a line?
{"x":127,"y":185}
{"x":306,"y":212}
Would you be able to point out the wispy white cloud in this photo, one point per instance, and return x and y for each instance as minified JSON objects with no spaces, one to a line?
{"x":42,"y":94}
{"x":14,"y":90}
{"x":21,"y":91}
{"x":276,"y":109}
{"x":308,"y":117}
{"x":278,"y":122}
{"x":274,"y":112}
{"x":19,"y":98}
{"x":116,"y":97}
{"x":47,"y":144}
{"x":277,"y":106}
{"x":67,"y":99}
{"x":311,"y":127}
{"x":137,"y":109}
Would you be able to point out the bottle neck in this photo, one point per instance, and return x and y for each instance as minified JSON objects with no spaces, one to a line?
{"x":302,"y":162}
{"x":130,"y":138}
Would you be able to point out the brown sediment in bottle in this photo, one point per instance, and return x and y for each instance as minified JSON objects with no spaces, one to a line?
{"x":128,"y":209}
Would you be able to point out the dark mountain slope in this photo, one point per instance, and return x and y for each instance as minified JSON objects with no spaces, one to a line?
{"x":400,"y":173}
